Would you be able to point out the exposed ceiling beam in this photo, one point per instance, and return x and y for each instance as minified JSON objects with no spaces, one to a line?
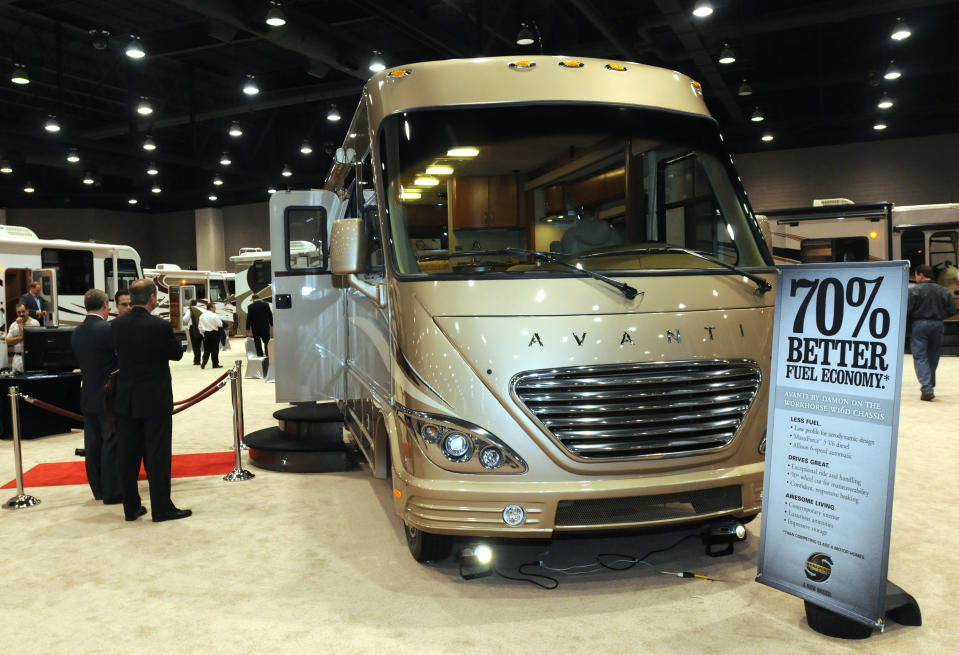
{"x":604,"y":28}
{"x":395,"y":14}
{"x":271,"y":101}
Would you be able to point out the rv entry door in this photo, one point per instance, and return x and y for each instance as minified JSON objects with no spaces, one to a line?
{"x":309,"y":348}
{"x":47,"y":277}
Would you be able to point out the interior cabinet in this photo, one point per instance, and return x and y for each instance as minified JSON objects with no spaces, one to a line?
{"x":488,"y":202}
{"x":426,"y":216}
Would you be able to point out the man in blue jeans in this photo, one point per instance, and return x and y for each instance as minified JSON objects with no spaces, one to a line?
{"x":929,"y":305}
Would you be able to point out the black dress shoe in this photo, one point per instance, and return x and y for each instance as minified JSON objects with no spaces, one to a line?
{"x":217,"y":366}
{"x":173,"y":516}
{"x":140,"y":512}
{"x":113,"y":501}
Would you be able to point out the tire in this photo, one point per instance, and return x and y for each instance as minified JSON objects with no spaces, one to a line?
{"x":425,"y":546}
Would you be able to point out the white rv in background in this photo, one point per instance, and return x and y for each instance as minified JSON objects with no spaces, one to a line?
{"x":253,"y":278}
{"x":65,"y":269}
{"x":176,"y":287}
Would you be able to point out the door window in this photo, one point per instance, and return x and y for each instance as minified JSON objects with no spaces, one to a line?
{"x":914,"y":247}
{"x":74,"y":269}
{"x":305,"y":238}
{"x":127,"y":274}
{"x":943,"y":250}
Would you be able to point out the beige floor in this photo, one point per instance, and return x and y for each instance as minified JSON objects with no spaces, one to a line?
{"x":317,"y":563}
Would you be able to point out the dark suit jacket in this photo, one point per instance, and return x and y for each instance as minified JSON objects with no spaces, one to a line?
{"x":93,"y":347}
{"x":145,"y":344}
{"x":31,"y":303}
{"x":259,"y":318}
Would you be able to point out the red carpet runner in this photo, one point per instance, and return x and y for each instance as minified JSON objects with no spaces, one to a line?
{"x":184,"y":466}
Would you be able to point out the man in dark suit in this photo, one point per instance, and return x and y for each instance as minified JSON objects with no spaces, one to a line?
{"x":145,"y":344}
{"x":34,"y":302}
{"x":93,"y":347}
{"x":259,"y":319}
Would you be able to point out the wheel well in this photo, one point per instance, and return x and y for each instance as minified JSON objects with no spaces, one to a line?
{"x":381,"y":450}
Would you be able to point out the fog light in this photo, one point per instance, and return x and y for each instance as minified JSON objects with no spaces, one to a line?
{"x":457,"y":446}
{"x":430,"y":433}
{"x":722,"y":533}
{"x":514,"y":515}
{"x":491,"y":458}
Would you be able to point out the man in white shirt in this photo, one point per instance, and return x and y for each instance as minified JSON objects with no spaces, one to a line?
{"x":15,"y":335}
{"x":210,"y":325}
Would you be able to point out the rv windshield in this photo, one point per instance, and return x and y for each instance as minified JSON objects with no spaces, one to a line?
{"x":606,"y":188}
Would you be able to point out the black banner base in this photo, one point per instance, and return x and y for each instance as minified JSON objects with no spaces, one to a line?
{"x":900,"y":607}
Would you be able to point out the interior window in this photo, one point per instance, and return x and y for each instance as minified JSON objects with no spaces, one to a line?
{"x":843,"y":249}
{"x":217,"y":291}
{"x":127,"y":274}
{"x":914,"y":247}
{"x":74,"y":269}
{"x":943,"y":250}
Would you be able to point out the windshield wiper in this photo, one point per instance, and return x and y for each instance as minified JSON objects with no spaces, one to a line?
{"x":623,"y":288}
{"x":763,"y":285}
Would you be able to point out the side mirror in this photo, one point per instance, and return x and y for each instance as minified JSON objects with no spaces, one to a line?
{"x":348,"y":257}
{"x":347,"y":247}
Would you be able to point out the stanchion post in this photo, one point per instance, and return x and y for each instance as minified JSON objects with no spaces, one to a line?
{"x":21,"y":500}
{"x":238,"y":473}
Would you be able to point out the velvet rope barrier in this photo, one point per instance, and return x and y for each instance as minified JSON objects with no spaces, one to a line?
{"x":52,"y":408}
{"x":203,"y":390}
{"x":203,"y":395}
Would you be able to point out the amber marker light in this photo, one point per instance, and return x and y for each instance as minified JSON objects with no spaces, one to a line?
{"x":571,"y":63}
{"x":619,"y":68}
{"x":522,"y":65}
{"x":397,"y":493}
{"x":400,"y":72}
{"x":873,"y":235}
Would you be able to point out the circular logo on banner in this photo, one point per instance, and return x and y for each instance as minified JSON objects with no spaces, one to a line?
{"x":818,"y":567}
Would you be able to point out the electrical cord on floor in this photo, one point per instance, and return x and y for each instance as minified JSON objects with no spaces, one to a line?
{"x":620,"y":563}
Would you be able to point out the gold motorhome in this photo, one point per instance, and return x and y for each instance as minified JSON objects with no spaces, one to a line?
{"x":539,"y":296}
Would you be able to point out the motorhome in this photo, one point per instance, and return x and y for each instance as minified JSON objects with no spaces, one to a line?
{"x":540,"y":298}
{"x":65,"y":270}
{"x":176,"y":287}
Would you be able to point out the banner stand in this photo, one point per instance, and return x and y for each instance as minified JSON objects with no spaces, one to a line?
{"x":901,"y":607}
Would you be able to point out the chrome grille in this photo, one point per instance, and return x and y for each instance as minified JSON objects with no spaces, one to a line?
{"x":641,"y":410}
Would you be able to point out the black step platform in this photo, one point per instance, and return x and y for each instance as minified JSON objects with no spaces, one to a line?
{"x":321,"y":420}
{"x":277,"y":450}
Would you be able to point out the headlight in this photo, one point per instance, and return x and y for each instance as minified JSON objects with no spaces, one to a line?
{"x":459,"y":446}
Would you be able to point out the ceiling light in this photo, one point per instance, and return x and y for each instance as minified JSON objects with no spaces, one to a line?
{"x":900,"y":31}
{"x":73,"y":155}
{"x":286,"y":171}
{"x":19,"y":74}
{"x":892,"y":72}
{"x":439,"y":170}
{"x":149,"y":143}
{"x":275,"y":17}
{"x":767,"y":137}
{"x":525,"y":36}
{"x":218,"y":181}
{"x":745,"y":89}
{"x":156,"y":188}
{"x":885,"y":102}
{"x":132,"y":201}
{"x":702,"y":9}
{"x":144,"y":108}
{"x":879,"y":125}
{"x":333,"y":114}
{"x":757,"y":116}
{"x":88,"y":178}
{"x":410,"y":195}
{"x":462,"y":152}
{"x":426,"y":181}
{"x":211,"y":197}
{"x":235,"y":129}
{"x":306,"y":148}
{"x":28,"y":188}
{"x":376,"y":63}
{"x":152,"y":169}
{"x":726,"y":56}
{"x":52,"y":125}
{"x":99,"y":39}
{"x":134,"y":49}
{"x":225,"y":159}
{"x":6,"y":167}
{"x":249,"y":86}
{"x":271,"y":189}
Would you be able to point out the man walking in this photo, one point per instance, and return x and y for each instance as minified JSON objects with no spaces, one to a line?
{"x":210,"y":325}
{"x":34,"y":302}
{"x":145,"y":344}
{"x":92,"y":345}
{"x":929,"y":305}
{"x":191,"y":321}
{"x":259,"y":319}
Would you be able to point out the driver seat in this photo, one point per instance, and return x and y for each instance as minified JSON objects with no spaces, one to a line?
{"x":589,"y":234}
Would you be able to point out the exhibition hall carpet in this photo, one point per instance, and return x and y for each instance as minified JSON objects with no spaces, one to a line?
{"x":55,"y":474}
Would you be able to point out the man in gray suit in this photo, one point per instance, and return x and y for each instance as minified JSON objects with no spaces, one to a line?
{"x":93,"y":347}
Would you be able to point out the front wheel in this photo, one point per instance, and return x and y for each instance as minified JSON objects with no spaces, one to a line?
{"x":425,"y":546}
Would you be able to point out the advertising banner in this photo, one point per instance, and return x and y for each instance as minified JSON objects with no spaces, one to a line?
{"x":831,"y":437}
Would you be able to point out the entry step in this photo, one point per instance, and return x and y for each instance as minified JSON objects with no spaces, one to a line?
{"x":278,"y":450}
